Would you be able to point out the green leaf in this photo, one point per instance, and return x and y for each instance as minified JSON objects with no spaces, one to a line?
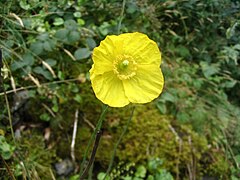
{"x":43,"y":37}
{"x":23,"y":4}
{"x":163,"y":175}
{"x":168,"y":97}
{"x":37,"y":47}
{"x":150,"y":177}
{"x":61,"y":33}
{"x":71,"y":24}
{"x":127,"y":177}
{"x":183,"y":117}
{"x":153,"y":164}
{"x":104,"y":28}
{"x":6,"y":150}
{"x":45,"y":117}
{"x":91,"y":43}
{"x":58,"y":21}
{"x":45,"y":73}
{"x":51,"y":62}
{"x":162,"y":107}
{"x":78,"y":98}
{"x":183,"y":51}
{"x":61,"y":75}
{"x":131,"y":8}
{"x":77,"y":14}
{"x":75,"y":177}
{"x":27,"y":60}
{"x":209,"y":69}
{"x":47,"y":46}
{"x":81,"y":22}
{"x":141,"y":171}
{"x":73,"y":36}
{"x":55,"y":108}
{"x":82,"y":53}
{"x":101,"y":176}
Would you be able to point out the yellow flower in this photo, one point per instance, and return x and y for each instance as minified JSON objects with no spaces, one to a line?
{"x":126,"y":70}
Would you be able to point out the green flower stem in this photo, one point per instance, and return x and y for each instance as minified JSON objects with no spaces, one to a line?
{"x":97,"y":129}
{"x":121,"y":17}
{"x":118,"y":142}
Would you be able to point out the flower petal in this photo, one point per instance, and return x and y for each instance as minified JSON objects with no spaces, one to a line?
{"x":104,"y":55}
{"x":145,"y":86}
{"x":143,"y":49}
{"x":109,"y":89}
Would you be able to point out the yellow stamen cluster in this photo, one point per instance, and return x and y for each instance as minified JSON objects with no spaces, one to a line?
{"x":124,"y":67}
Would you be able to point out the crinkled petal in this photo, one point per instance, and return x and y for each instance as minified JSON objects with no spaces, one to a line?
{"x":141,"y":48}
{"x":109,"y":89}
{"x":145,"y":86}
{"x":104,"y":55}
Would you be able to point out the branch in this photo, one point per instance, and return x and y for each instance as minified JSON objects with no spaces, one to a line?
{"x":74,"y":136}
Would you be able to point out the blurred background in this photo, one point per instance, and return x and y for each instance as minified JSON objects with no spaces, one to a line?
{"x":192,"y":131}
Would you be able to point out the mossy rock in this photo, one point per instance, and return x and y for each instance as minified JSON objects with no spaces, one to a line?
{"x":149,"y":134}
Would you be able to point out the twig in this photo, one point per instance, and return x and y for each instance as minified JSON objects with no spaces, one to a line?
{"x":35,"y":86}
{"x":52,"y":175}
{"x":74,"y":136}
{"x":48,"y":109}
{"x":85,"y":172}
{"x":88,"y":122}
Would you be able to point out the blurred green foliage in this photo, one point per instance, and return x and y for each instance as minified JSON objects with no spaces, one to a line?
{"x":47,"y":49}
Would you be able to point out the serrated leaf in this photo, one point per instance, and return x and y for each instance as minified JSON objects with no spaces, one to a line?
{"x":82,"y":53}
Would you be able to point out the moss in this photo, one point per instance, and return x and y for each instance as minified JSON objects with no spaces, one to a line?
{"x":149,"y":135}
{"x":33,"y":153}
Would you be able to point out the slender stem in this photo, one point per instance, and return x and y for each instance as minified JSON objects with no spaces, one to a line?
{"x":6,"y":98}
{"x":97,"y":129}
{"x":121,"y":16}
{"x":85,"y":172}
{"x":118,"y":142}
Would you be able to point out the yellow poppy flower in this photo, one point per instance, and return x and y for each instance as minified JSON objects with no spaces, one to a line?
{"x":126,"y":69}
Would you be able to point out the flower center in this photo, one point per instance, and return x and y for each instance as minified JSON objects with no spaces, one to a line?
{"x":124,"y":67}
